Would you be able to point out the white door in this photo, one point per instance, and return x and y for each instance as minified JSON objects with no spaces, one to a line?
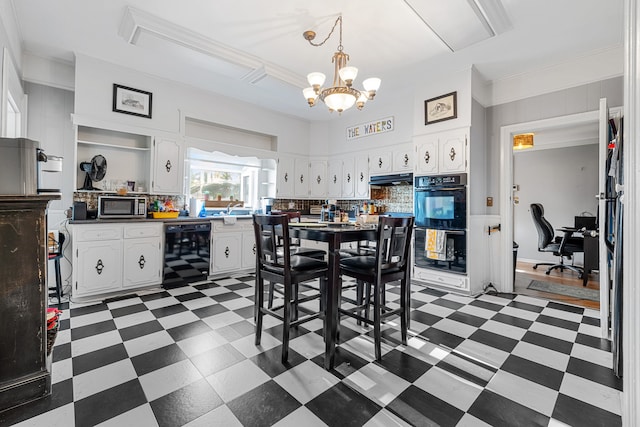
{"x":318,"y":179}
{"x":142,"y":262}
{"x":167,"y":171}
{"x":301,"y":183}
{"x":334,"y":176}
{"x":452,"y":152}
{"x":362,"y":177}
{"x":348,"y":178}
{"x":426,"y":162}
{"x":99,"y":265}
{"x":284,"y":184}
{"x":227,"y":252}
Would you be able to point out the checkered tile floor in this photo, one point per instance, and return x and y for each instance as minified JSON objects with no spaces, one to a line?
{"x":185,"y":356}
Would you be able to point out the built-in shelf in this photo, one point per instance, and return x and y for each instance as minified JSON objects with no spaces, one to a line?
{"x":123,"y":147}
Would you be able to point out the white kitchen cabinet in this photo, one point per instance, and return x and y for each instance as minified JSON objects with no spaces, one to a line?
{"x":167,"y":166}
{"x":380,"y":162}
{"x":97,"y":267}
{"x":348,"y":177}
{"x":248,"y":249}
{"x":441,"y":153}
{"x":285,"y":177}
{"x":301,"y":182}
{"x":232,"y":247}
{"x":334,"y":178}
{"x":362,"y":176}
{"x":142,"y":255}
{"x":318,"y":179}
{"x":112,"y":257}
{"x":403,"y":158}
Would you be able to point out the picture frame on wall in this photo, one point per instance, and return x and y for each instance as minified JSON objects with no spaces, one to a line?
{"x":127,"y":100}
{"x":441,"y":108}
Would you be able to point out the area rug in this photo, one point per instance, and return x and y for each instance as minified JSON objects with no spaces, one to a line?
{"x":570,"y":291}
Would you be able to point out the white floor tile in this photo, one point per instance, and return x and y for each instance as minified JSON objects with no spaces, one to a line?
{"x":59,"y":417}
{"x":234,"y":304}
{"x":124,"y":303}
{"x":247,"y":346}
{"x":178,"y":319}
{"x":161,"y":302}
{"x":95,"y":342}
{"x":102,"y":378}
{"x":142,"y":416}
{"x":134,"y":319}
{"x":593,"y":355}
{"x":524,"y":392}
{"x":90,"y":319}
{"x":61,"y":370}
{"x":201,"y":343}
{"x":198,"y":303}
{"x":456,"y":328}
{"x":147,"y":343}
{"x":309,"y":345}
{"x":469,"y":420}
{"x":554,"y":331}
{"x":219,"y":417}
{"x":377,"y":383}
{"x":593,"y":393}
{"x":170,"y":378}
{"x":237,"y":380}
{"x":448,"y":387}
{"x":542,"y":355}
{"x":522,"y":314}
{"x":561,"y":314}
{"x":489,"y":355}
{"x":223,"y":319}
{"x":306,"y":381}
{"x":503,"y":329}
{"x":300,"y":417}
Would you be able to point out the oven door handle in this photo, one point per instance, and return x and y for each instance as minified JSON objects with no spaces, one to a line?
{"x":432,"y":189}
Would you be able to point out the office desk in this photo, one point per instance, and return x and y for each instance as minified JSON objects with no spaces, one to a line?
{"x":591,"y":249}
{"x":334,"y":236}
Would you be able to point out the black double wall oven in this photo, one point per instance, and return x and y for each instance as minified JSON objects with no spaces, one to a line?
{"x":440,"y":208}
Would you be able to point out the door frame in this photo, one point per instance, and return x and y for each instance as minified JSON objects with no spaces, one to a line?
{"x":506,"y":181}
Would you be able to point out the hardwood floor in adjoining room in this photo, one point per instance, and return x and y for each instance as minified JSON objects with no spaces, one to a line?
{"x":525,"y":273}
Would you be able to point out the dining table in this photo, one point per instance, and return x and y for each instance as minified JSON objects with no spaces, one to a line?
{"x":334,"y":234}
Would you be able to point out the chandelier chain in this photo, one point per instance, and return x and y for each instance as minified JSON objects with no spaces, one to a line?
{"x":330,"y":33}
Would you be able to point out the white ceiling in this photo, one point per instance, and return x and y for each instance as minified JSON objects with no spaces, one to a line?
{"x":254,"y":50}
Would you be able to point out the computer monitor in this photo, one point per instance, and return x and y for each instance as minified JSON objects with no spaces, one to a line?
{"x":586,"y":222}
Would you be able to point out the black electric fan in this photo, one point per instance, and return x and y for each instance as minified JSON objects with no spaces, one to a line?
{"x":95,"y":170}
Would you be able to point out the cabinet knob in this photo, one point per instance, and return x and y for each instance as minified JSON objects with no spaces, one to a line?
{"x":319,"y":179}
{"x":286,"y":177}
{"x":361,"y":176}
{"x":335,"y":178}
{"x":406,"y":160}
{"x":141,"y":262}
{"x":168,"y":166}
{"x":99,"y":266}
{"x":226,"y":251}
{"x":380,"y":162}
{"x":301,"y":178}
{"x":452,"y":154}
{"x":427,"y":157}
{"x":254,"y":248}
{"x":348,"y":177}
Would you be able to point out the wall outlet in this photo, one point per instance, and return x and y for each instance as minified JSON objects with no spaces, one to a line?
{"x":489,"y":201}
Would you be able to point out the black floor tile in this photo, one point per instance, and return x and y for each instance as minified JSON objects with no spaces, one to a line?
{"x":188,"y":330}
{"x":61,"y":394}
{"x":494,"y":340}
{"x":93,"y":329}
{"x":156,"y":359}
{"x":186,"y":404}
{"x":438,"y":337}
{"x":512,"y":321}
{"x":64,"y":324}
{"x":419,"y":408}
{"x":95,"y":359}
{"x":61,"y":352}
{"x":524,"y":306}
{"x":592,"y":321}
{"x":142,"y":329}
{"x":155,"y":296}
{"x":228,"y":296}
{"x":486,"y":305}
{"x":88,"y":309}
{"x":168,"y":311}
{"x":424,"y":318}
{"x":499,"y":411}
{"x":131,"y":309}
{"x":246,"y":312}
{"x":447,"y":303}
{"x":210,"y":310}
{"x":577,"y":413}
{"x":468,"y":319}
{"x":545,"y":341}
{"x":270,"y":361}
{"x":238,"y":286}
{"x":594,"y":372}
{"x":404,"y":365}
{"x":589,"y":341}
{"x":264,"y":405}
{"x":341,"y":406}
{"x":560,"y":323}
{"x":190,"y":296}
{"x":565,"y":307}
{"x":533,"y":371}
{"x":109,"y":403}
{"x":345,"y":362}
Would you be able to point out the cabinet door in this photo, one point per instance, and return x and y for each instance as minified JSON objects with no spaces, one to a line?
{"x":362,"y":177}
{"x":403,"y":158}
{"x":301,"y":182}
{"x":348,"y":177}
{"x":285,"y":177}
{"x":426,"y":161}
{"x":99,"y":267}
{"x":248,"y":249}
{"x":380,"y":162}
{"x":226,"y":252}
{"x":142,"y":261}
{"x":453,"y":152}
{"x":334,"y":175}
{"x":318,"y":179}
{"x":167,"y":167}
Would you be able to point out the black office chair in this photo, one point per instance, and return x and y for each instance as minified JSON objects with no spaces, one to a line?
{"x":561,"y":246}
{"x":275,"y":264}
{"x":390,"y":263}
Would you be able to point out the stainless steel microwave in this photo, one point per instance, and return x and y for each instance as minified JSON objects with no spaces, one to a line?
{"x":122,"y":207}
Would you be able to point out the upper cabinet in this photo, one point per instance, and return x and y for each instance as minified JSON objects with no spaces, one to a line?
{"x":394,"y":159}
{"x":334,"y":178}
{"x":403,"y":158}
{"x":444,"y":152}
{"x":348,"y":177}
{"x":362,"y":176}
{"x":318,"y":178}
{"x":301,"y":177}
{"x":167,"y":166}
{"x":380,"y":161}
{"x":285,"y":176}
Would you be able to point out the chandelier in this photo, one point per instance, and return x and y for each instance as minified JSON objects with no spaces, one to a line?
{"x":342,"y":95}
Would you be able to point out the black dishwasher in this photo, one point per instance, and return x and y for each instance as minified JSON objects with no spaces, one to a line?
{"x":186,"y":253}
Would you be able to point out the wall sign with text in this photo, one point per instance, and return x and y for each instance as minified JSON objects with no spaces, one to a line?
{"x":370,"y":128}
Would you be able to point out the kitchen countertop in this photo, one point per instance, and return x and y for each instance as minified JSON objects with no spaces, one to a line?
{"x":180,"y":219}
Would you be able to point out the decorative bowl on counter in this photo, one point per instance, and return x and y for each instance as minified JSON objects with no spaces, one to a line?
{"x":172,"y":214}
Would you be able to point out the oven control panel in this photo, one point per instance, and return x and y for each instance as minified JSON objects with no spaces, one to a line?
{"x":440,"y":180}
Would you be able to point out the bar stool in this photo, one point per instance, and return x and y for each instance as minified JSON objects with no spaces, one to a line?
{"x":55,"y":257}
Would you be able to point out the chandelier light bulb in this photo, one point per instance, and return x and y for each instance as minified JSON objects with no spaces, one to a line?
{"x":362,"y":99}
{"x":371,"y":85}
{"x":316,"y":80}
{"x":348,"y":75}
{"x":310,"y":95}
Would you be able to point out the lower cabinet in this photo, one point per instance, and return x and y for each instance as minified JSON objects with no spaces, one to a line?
{"x":113,"y":257}
{"x":232,"y":247}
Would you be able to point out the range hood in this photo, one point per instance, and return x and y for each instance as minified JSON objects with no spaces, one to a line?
{"x":395,"y":179}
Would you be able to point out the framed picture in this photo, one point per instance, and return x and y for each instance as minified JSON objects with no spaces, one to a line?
{"x":441,"y":108}
{"x":128,"y":100}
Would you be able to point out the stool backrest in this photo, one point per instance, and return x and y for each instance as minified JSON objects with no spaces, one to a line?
{"x":393,"y":247}
{"x":271,"y":233}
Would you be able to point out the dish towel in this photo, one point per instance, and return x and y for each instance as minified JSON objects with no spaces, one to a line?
{"x":435,"y":244}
